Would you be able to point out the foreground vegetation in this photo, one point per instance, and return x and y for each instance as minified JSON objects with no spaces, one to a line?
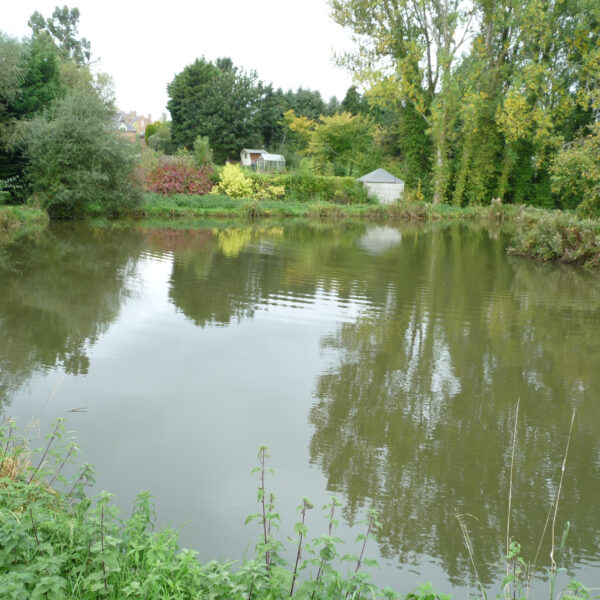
{"x":61,"y":544}
{"x":13,"y":218}
{"x":56,"y":542}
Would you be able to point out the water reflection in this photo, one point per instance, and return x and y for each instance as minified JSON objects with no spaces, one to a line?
{"x":60,"y":292}
{"x":415,"y":410}
{"x":238,"y":269}
{"x":428,"y":336}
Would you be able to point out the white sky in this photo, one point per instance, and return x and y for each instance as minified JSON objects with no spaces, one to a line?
{"x":142,"y":45}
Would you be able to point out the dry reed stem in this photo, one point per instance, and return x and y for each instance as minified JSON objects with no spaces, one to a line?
{"x":562,"y":473}
{"x":467,"y":539}
{"x":510,"y":485}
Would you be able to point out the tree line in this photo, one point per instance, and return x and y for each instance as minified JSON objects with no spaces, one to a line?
{"x":234,"y":109}
{"x":465,"y":100}
{"x":485,"y":99}
{"x":56,"y":143}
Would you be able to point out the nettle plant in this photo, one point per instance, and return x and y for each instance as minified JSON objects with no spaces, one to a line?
{"x":314,"y":572}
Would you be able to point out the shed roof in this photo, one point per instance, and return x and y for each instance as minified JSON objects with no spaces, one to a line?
{"x":380,"y":176}
{"x":272,"y":157}
{"x":253,"y":151}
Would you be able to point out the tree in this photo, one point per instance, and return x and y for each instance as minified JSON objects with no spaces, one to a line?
{"x":75,"y":160}
{"x":411,"y":50}
{"x":576,"y":173}
{"x":299,"y":130}
{"x":306,"y":103}
{"x":158,"y":137}
{"x":269,"y":114}
{"x":353,"y":102}
{"x":218,"y":101}
{"x":342,"y":140}
{"x":61,"y":28}
{"x":11,"y":71}
{"x":30,"y":80}
{"x":203,"y":154}
{"x":333,"y":106}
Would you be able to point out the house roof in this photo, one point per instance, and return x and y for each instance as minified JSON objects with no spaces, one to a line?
{"x":380,"y":176}
{"x":273,"y":157}
{"x":124,"y":127}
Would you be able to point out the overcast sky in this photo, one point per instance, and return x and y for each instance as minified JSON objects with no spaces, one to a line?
{"x":142,"y":45}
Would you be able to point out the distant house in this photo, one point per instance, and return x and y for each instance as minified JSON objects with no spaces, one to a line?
{"x":387,"y":188}
{"x":132,"y":124}
{"x":250,"y":157}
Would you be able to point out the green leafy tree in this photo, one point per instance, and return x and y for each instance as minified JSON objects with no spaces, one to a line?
{"x":269,"y":115}
{"x":353,"y":102}
{"x":342,"y":140}
{"x":11,"y":73}
{"x":75,"y":160}
{"x":62,"y":28}
{"x":333,"y":106}
{"x":306,"y":103}
{"x":30,"y":81}
{"x":409,"y":50}
{"x":576,"y":173}
{"x":159,"y":137}
{"x":218,"y":101}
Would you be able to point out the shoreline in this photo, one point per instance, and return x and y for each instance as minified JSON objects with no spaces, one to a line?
{"x":541,"y":234}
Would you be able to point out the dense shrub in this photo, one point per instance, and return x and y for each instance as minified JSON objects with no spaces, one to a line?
{"x":305,"y":187}
{"x":236,"y":183}
{"x":558,"y":237}
{"x":203,"y":154}
{"x":74,"y":160}
{"x":178,"y":177}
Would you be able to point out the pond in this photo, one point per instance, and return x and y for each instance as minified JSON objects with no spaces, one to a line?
{"x":380,"y":364}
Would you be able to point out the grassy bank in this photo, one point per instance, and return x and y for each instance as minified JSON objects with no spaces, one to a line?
{"x":14,"y":218}
{"x":181,"y":205}
{"x":544,"y":235}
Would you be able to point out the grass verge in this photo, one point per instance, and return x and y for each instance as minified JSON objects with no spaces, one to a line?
{"x":213,"y":205}
{"x":14,"y":218}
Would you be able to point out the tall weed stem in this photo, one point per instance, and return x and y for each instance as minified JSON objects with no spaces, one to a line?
{"x":50,"y":441}
{"x":301,"y":530}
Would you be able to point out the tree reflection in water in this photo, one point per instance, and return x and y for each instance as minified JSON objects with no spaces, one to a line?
{"x":414,"y":414}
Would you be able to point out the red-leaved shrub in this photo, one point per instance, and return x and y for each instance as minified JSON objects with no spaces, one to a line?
{"x":173,"y":178}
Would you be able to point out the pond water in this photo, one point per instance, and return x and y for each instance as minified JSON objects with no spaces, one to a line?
{"x":380,"y":364}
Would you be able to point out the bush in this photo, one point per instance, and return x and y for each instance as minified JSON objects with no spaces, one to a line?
{"x":179,"y":177}
{"x":234,"y":183}
{"x":305,"y":187}
{"x":203,"y":154}
{"x":75,"y":160}
{"x":557,"y":237}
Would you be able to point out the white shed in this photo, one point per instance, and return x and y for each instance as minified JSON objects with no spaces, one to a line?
{"x":249,"y":156}
{"x":271,"y":162}
{"x":385,"y":186}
